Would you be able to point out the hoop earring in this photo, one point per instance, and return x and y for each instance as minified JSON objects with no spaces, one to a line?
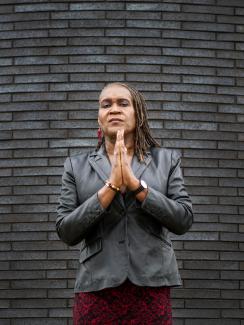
{"x":99,"y":136}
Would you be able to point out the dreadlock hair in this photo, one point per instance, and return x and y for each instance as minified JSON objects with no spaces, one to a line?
{"x":143,"y":137}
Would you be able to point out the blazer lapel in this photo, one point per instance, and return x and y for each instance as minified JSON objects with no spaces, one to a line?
{"x":101,"y":164}
{"x":138,"y":169}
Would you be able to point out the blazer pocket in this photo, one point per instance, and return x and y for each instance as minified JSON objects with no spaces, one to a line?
{"x":90,"y":249}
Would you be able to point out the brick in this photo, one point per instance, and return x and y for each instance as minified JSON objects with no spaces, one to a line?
{"x":49,"y":96}
{"x":7,"y":313}
{"x":41,"y":7}
{"x":181,"y":34}
{"x":77,"y":50}
{"x":8,"y":275}
{"x":42,"y":134}
{"x":195,"y":293}
{"x":36,"y":171}
{"x":22,"y":52}
{"x":96,"y":6}
{"x":95,"y":40}
{"x":186,"y":88}
{"x":77,"y":68}
{"x":209,"y":26}
{"x":34,"y":321}
{"x":14,"y":70}
{"x":181,"y":16}
{"x":233,"y":313}
{"x":80,"y":15}
{"x":42,"y":78}
{"x":209,"y":98}
{"x":159,"y":24}
{"x":6,"y":61}
{"x":214,"y":284}
{"x":75,"y":32}
{"x":37,"y":189}
{"x":15,"y":236}
{"x":207,"y":303}
{"x":41,"y":153}
{"x":214,"y":321}
{"x":5,"y":44}
{"x":193,"y":313}
{"x":153,"y":7}
{"x":232,"y":256}
{"x":8,"y":218}
{"x":34,"y":208}
{"x":22,"y":144}
{"x":38,"y":293}
{"x":208,"y":44}
{"x":45,"y":24}
{"x":208,"y":62}
{"x":208,"y":9}
{"x":152,"y":42}
{"x":126,"y":32}
{"x":208,"y":80}
{"x":131,"y":15}
{"x":191,"y":125}
{"x":40,"y":42}
{"x":195,"y":107}
{"x":38,"y":265}
{"x":237,"y":275}
{"x":134,"y":67}
{"x":41,"y":60}
{"x":208,"y":135}
{"x":219,"y":245}
{"x":23,"y":34}
{"x":137,"y":50}
{"x":24,"y":16}
{"x":22,"y":256}
{"x":230,"y":37}
{"x":35,"y":284}
{"x":210,"y":154}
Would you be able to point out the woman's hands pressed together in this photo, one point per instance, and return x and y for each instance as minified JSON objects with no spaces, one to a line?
{"x":121,"y":174}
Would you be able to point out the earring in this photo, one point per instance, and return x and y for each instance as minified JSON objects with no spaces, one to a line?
{"x":99,"y":136}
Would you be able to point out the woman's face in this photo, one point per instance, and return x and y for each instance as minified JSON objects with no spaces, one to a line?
{"x":116,"y":111}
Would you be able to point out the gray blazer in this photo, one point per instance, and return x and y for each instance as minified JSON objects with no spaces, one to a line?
{"x":129,"y":238}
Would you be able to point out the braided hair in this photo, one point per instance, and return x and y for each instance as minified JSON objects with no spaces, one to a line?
{"x":143,"y":138}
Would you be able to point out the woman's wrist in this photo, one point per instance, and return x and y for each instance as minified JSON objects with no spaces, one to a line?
{"x":112,"y":186}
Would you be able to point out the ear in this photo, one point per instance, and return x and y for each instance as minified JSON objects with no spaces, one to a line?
{"x":99,"y":123}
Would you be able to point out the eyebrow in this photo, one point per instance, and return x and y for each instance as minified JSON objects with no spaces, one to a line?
{"x":108,"y":99}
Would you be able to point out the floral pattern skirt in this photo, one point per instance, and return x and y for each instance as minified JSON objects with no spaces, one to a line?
{"x":127,"y":304}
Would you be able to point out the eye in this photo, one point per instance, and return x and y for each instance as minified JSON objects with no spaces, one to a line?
{"x":105,"y":105}
{"x":124,"y":104}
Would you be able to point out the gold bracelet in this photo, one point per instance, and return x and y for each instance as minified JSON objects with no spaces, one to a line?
{"x":113,"y":187}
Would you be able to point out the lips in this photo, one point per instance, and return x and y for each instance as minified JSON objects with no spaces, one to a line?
{"x":115,"y":120}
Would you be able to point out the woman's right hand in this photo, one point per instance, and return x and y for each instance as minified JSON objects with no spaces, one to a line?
{"x":116,"y":176}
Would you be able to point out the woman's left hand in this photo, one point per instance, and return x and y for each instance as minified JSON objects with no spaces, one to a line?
{"x":128,"y":178}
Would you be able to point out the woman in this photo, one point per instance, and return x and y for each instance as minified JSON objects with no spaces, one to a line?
{"x":120,"y":202}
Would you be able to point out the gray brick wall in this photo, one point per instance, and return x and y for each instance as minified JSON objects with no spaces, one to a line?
{"x":187,"y":57}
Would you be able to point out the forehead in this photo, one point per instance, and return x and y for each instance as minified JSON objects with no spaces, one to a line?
{"x":115,"y":91}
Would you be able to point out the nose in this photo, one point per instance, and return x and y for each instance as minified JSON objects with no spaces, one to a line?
{"x":115,"y":109}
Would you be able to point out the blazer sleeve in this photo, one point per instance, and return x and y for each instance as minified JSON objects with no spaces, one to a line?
{"x":174,"y":210}
{"x":74,"y":220}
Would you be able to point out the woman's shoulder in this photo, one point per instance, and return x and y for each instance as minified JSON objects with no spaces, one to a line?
{"x":80,"y":157}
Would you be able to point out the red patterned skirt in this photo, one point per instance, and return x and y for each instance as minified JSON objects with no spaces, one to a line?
{"x":127,"y":304}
